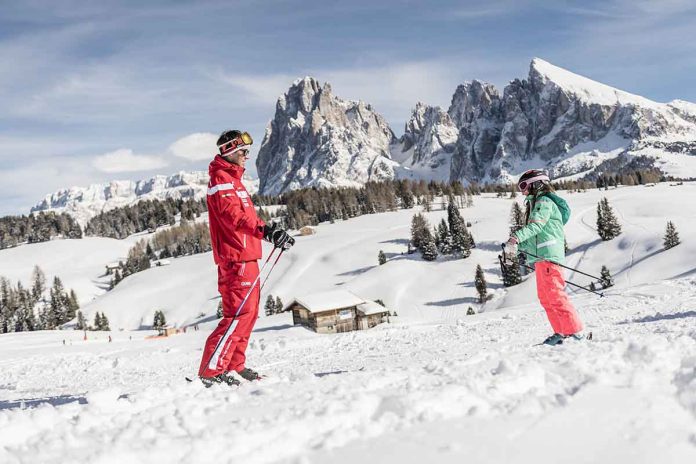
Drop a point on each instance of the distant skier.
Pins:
(236, 233)
(543, 236)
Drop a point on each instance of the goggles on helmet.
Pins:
(243, 142)
(525, 184)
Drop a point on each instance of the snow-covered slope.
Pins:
(83, 203)
(433, 382)
(80, 264)
(467, 390)
(344, 255)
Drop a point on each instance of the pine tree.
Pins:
(511, 272)
(428, 248)
(72, 305)
(105, 323)
(516, 218)
(608, 226)
(81, 322)
(443, 238)
(278, 305)
(381, 258)
(38, 284)
(470, 311)
(671, 236)
(97, 321)
(57, 304)
(149, 253)
(269, 307)
(117, 277)
(158, 321)
(480, 282)
(462, 241)
(606, 279)
(419, 226)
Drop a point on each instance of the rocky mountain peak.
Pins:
(426, 148)
(319, 139)
(471, 100)
(561, 121)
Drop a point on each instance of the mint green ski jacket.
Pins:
(543, 234)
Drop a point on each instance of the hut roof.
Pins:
(326, 301)
(370, 307)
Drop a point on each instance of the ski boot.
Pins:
(553, 340)
(249, 374)
(220, 378)
(580, 336)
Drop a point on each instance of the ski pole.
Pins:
(559, 264)
(282, 250)
(601, 295)
(502, 260)
(239, 309)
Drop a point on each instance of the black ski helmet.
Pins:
(533, 179)
(228, 136)
(232, 141)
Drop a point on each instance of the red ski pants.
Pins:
(224, 350)
(550, 288)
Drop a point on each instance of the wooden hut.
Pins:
(336, 311)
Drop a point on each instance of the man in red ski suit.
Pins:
(235, 234)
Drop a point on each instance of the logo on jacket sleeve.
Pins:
(244, 196)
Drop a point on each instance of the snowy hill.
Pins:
(434, 382)
(83, 203)
(344, 255)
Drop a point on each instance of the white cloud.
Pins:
(195, 147)
(124, 160)
(259, 89)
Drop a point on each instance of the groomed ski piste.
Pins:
(433, 383)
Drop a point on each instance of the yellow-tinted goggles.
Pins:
(246, 138)
(230, 147)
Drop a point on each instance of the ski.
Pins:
(587, 338)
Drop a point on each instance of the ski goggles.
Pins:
(243, 142)
(525, 184)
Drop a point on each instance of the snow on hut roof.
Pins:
(326, 301)
(370, 307)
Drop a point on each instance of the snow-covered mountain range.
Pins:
(83, 203)
(554, 119)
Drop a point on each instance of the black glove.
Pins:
(522, 258)
(277, 236)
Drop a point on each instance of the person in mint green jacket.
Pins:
(542, 236)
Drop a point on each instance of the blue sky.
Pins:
(94, 91)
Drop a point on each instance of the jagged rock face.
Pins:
(317, 139)
(565, 122)
(83, 203)
(476, 110)
(428, 143)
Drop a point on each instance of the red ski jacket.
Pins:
(235, 230)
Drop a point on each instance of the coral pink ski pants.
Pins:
(550, 288)
(222, 352)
